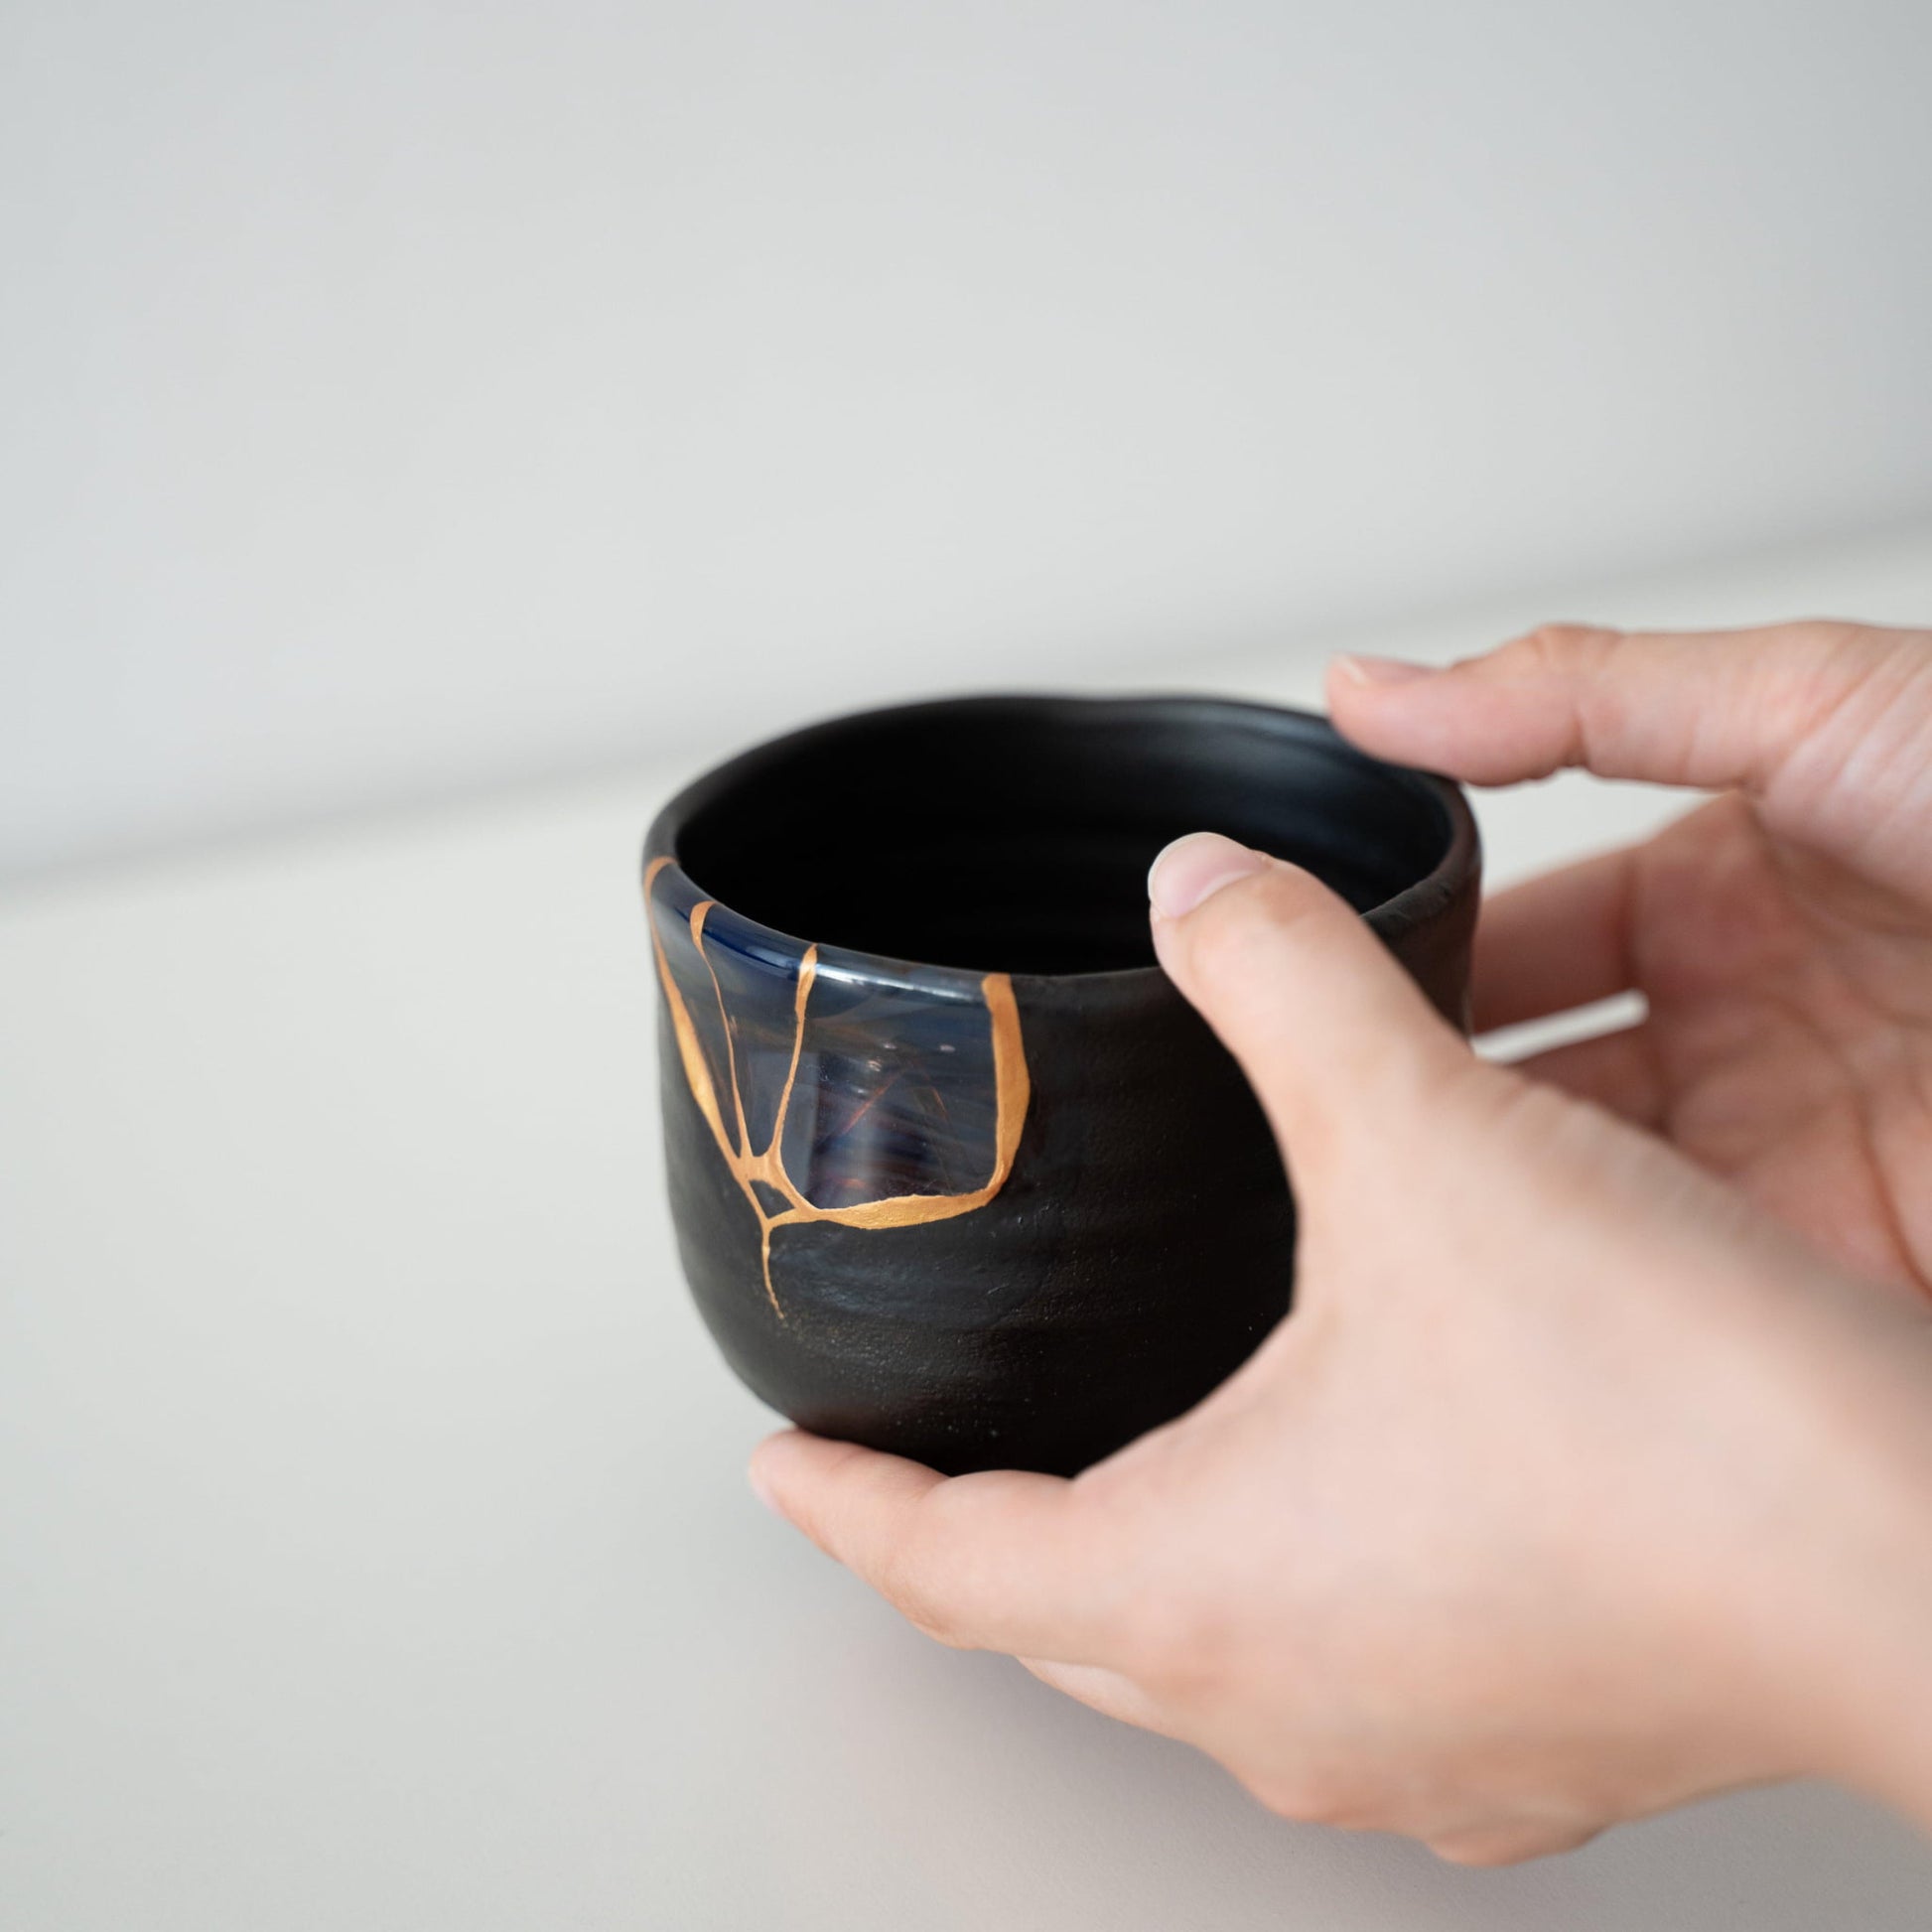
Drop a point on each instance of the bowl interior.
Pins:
(1014, 835)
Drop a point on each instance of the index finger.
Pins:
(1717, 710)
(1001, 1561)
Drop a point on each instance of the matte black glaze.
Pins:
(1012, 1206)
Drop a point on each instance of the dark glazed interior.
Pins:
(1014, 835)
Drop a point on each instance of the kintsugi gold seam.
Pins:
(1012, 1087)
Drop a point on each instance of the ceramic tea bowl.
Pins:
(955, 1171)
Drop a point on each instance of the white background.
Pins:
(506, 408)
(400, 395)
(374, 1547)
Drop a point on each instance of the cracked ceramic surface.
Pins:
(835, 1093)
(955, 1171)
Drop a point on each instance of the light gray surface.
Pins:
(375, 1547)
(398, 394)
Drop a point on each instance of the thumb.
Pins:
(1333, 1036)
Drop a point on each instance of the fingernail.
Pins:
(1190, 869)
(1382, 670)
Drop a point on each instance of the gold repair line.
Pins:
(770, 1166)
(1011, 1084)
(807, 973)
(697, 1074)
(698, 1078)
(698, 912)
(1013, 1092)
(689, 1051)
(771, 1160)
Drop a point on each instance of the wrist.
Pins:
(1856, 1588)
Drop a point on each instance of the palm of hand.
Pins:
(1788, 1046)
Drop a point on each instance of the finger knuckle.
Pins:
(1504, 1844)
(1829, 636)
(1555, 648)
(1322, 1791)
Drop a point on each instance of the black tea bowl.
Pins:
(955, 1171)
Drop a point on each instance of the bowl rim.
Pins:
(1419, 903)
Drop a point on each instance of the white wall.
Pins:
(400, 394)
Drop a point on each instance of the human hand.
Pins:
(1571, 1489)
(1781, 935)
